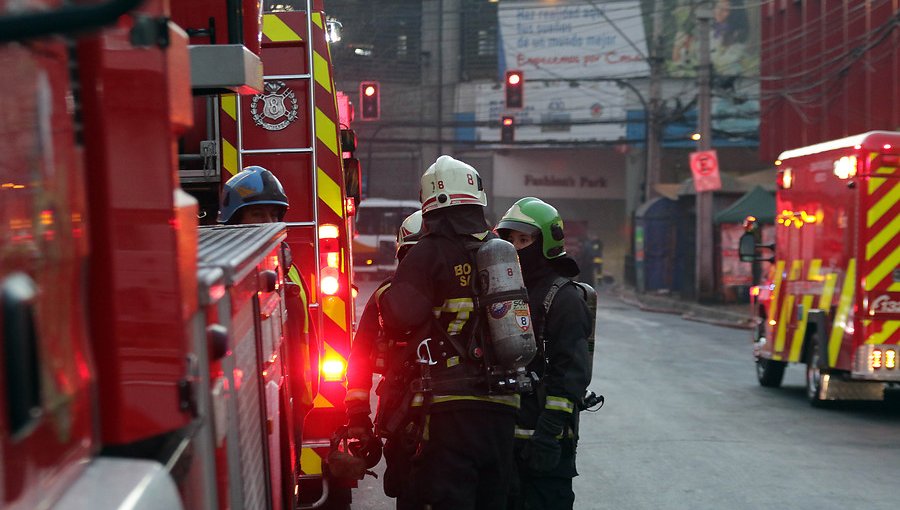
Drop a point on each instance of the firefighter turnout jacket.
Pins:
(562, 362)
(367, 355)
(432, 296)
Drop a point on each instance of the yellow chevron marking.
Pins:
(317, 19)
(277, 30)
(887, 330)
(876, 182)
(779, 270)
(229, 157)
(332, 353)
(229, 105)
(330, 192)
(310, 461)
(843, 312)
(895, 287)
(796, 266)
(878, 241)
(326, 132)
(787, 308)
(800, 332)
(334, 308)
(887, 265)
(783, 319)
(813, 273)
(321, 71)
(882, 206)
(321, 402)
(827, 291)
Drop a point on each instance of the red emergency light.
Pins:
(333, 369)
(329, 259)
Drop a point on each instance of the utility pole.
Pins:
(440, 78)
(652, 123)
(704, 274)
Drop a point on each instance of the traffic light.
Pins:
(370, 100)
(507, 129)
(515, 97)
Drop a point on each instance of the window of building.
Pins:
(479, 40)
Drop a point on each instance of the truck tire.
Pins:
(814, 375)
(769, 372)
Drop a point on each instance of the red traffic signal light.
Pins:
(370, 100)
(507, 129)
(514, 84)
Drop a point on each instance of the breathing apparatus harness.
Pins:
(591, 401)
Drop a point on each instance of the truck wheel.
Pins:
(769, 372)
(814, 376)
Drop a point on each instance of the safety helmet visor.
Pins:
(540, 217)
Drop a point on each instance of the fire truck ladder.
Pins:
(309, 80)
(312, 198)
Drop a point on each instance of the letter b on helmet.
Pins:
(450, 182)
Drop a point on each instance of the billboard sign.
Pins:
(573, 40)
(554, 112)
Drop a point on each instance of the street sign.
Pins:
(705, 167)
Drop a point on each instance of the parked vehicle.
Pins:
(375, 239)
(832, 301)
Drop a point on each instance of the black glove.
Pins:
(543, 450)
(359, 426)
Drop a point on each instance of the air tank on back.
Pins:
(503, 295)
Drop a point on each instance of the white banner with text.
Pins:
(574, 39)
(559, 174)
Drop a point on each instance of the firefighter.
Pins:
(464, 456)
(253, 195)
(376, 351)
(547, 425)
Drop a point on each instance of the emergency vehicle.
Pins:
(292, 128)
(148, 361)
(832, 300)
(375, 237)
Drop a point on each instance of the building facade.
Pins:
(580, 138)
(832, 69)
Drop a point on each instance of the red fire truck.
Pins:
(292, 128)
(148, 361)
(832, 300)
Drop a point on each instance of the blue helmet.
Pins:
(252, 185)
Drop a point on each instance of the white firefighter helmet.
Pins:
(406, 235)
(450, 182)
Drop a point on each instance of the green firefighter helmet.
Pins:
(532, 215)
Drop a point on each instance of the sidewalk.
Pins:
(729, 315)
